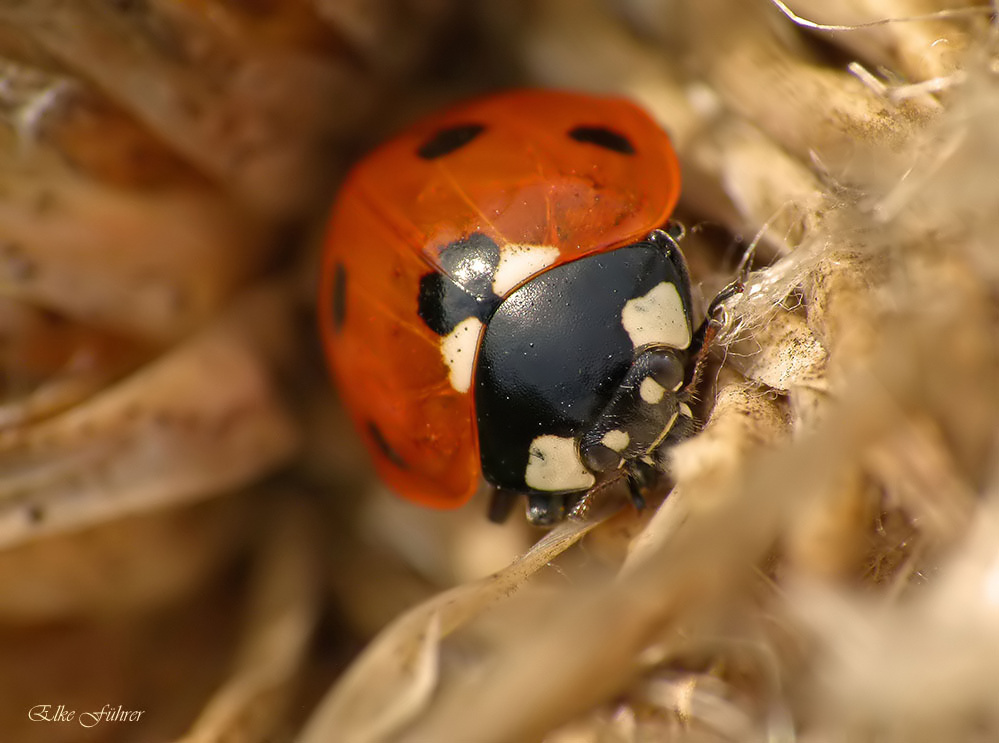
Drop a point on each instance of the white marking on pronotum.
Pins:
(651, 391)
(658, 318)
(553, 464)
(685, 410)
(517, 262)
(458, 352)
(616, 440)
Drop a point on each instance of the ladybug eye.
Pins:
(448, 140)
(603, 137)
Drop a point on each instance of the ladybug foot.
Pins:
(635, 491)
(545, 510)
(501, 503)
(643, 477)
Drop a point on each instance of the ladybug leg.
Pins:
(501, 503)
(635, 491)
(642, 412)
(714, 319)
(716, 312)
(643, 476)
(545, 509)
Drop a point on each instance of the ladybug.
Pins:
(503, 297)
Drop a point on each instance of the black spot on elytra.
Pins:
(464, 289)
(448, 140)
(339, 300)
(442, 305)
(471, 263)
(601, 136)
(384, 447)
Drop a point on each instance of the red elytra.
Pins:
(528, 167)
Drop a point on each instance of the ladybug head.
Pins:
(580, 371)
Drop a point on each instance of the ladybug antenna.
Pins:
(580, 510)
(716, 317)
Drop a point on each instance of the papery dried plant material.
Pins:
(919, 474)
(922, 41)
(771, 189)
(921, 350)
(51, 117)
(246, 113)
(918, 669)
(283, 607)
(701, 707)
(48, 363)
(445, 547)
(202, 419)
(916, 314)
(616, 61)
(592, 645)
(940, 237)
(727, 682)
(393, 555)
(27, 95)
(831, 537)
(841, 306)
(151, 265)
(787, 354)
(603, 726)
(392, 681)
(810, 110)
(97, 140)
(162, 663)
(610, 545)
(897, 548)
(942, 187)
(387, 34)
(134, 564)
(154, 260)
(371, 585)
(744, 418)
